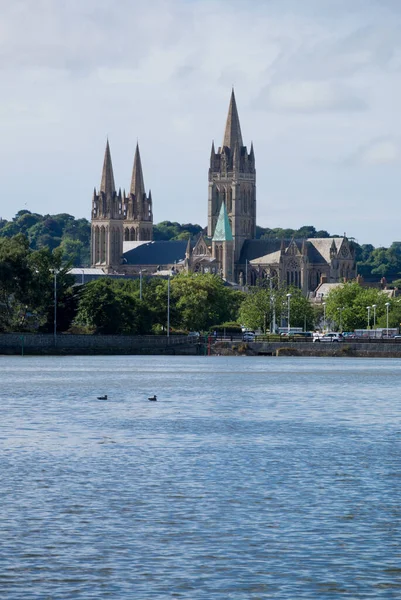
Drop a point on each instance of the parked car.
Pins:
(303, 334)
(248, 336)
(332, 336)
(193, 334)
(349, 335)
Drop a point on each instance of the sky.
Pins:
(317, 85)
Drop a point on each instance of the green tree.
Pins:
(200, 301)
(256, 310)
(108, 308)
(15, 281)
(351, 301)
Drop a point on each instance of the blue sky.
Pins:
(317, 84)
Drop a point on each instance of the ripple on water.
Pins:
(248, 479)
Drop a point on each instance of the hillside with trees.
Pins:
(71, 237)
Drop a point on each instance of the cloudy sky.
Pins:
(318, 89)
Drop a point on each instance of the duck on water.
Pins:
(102, 397)
(153, 398)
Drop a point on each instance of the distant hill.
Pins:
(73, 236)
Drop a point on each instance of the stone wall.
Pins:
(15, 343)
(283, 348)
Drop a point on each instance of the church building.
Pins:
(122, 228)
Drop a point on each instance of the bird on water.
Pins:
(153, 398)
(102, 397)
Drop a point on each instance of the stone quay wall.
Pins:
(32, 343)
(356, 349)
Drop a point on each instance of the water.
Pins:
(250, 478)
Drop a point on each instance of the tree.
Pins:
(201, 300)
(351, 301)
(108, 308)
(256, 311)
(15, 279)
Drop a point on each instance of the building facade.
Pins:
(122, 228)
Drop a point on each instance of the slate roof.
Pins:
(256, 248)
(273, 257)
(318, 249)
(156, 253)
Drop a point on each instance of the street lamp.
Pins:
(168, 303)
(140, 282)
(374, 306)
(324, 316)
(288, 313)
(55, 272)
(387, 305)
(168, 308)
(368, 307)
(340, 310)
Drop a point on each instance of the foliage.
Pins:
(352, 300)
(166, 230)
(258, 308)
(307, 231)
(380, 262)
(73, 236)
(27, 287)
(108, 307)
(201, 300)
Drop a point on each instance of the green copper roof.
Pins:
(223, 233)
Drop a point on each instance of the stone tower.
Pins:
(107, 220)
(138, 216)
(223, 245)
(232, 180)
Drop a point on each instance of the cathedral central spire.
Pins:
(232, 134)
(137, 183)
(107, 185)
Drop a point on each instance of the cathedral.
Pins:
(122, 229)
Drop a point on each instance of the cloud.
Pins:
(74, 71)
(384, 151)
(310, 97)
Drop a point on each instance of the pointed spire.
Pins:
(213, 151)
(232, 133)
(137, 184)
(107, 184)
(222, 232)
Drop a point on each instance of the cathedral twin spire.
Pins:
(137, 183)
(135, 209)
(107, 185)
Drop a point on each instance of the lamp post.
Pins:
(324, 316)
(55, 272)
(168, 308)
(374, 306)
(140, 282)
(340, 310)
(288, 312)
(368, 307)
(387, 305)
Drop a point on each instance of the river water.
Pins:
(249, 478)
